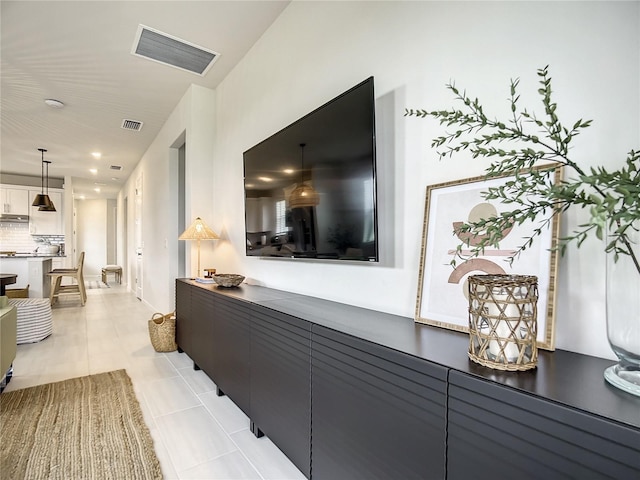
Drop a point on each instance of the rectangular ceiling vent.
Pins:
(164, 48)
(116, 167)
(131, 125)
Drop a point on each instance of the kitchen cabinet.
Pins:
(30, 270)
(47, 223)
(14, 201)
(39, 281)
(57, 263)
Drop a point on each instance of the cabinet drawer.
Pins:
(184, 326)
(202, 339)
(280, 386)
(232, 350)
(495, 432)
(376, 413)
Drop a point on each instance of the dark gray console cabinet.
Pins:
(377, 413)
(184, 326)
(348, 393)
(280, 387)
(231, 349)
(496, 432)
(201, 342)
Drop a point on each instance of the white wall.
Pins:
(111, 232)
(316, 50)
(194, 115)
(91, 236)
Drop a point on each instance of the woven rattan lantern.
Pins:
(503, 321)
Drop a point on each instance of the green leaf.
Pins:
(612, 197)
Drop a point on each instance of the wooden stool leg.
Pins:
(52, 290)
(55, 287)
(81, 287)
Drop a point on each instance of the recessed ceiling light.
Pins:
(96, 154)
(115, 179)
(93, 170)
(288, 171)
(53, 103)
(96, 190)
(265, 179)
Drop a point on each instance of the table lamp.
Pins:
(198, 231)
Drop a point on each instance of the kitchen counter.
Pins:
(31, 270)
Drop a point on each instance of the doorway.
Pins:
(178, 194)
(138, 234)
(125, 236)
(182, 248)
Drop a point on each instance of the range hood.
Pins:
(13, 218)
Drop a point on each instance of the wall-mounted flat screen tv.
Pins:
(310, 189)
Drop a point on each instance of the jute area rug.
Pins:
(83, 428)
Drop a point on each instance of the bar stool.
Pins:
(58, 289)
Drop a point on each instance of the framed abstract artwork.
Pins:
(442, 298)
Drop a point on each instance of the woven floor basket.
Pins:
(162, 331)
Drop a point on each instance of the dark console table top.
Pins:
(571, 379)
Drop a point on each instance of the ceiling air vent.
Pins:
(131, 125)
(116, 167)
(164, 48)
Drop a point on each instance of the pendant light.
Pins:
(41, 199)
(50, 207)
(303, 195)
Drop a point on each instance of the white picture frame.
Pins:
(443, 289)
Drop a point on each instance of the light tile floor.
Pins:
(197, 435)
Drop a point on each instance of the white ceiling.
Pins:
(78, 52)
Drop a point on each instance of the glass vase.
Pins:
(623, 316)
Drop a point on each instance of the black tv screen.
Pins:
(310, 189)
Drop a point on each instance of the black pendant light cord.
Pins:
(43, 201)
(47, 162)
(302, 145)
(42, 150)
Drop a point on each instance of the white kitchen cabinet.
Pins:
(14, 200)
(39, 281)
(47, 223)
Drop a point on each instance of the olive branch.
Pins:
(515, 148)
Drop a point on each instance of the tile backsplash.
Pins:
(16, 237)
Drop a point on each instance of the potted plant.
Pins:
(513, 147)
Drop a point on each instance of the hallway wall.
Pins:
(316, 50)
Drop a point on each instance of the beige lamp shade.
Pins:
(198, 230)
